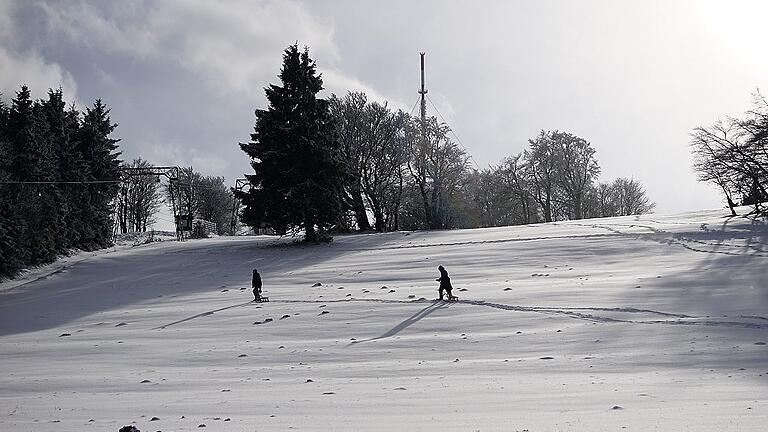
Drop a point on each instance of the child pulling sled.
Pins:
(445, 285)
(256, 285)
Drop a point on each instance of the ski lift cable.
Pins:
(63, 182)
(454, 133)
(414, 106)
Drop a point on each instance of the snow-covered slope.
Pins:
(635, 323)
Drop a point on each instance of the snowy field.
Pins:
(651, 323)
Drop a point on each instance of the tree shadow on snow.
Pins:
(418, 316)
(720, 292)
(113, 281)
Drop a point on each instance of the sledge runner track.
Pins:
(570, 312)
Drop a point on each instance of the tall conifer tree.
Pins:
(34, 159)
(99, 151)
(10, 218)
(298, 175)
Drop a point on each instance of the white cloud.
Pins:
(32, 70)
(338, 83)
(6, 19)
(202, 160)
(27, 68)
(235, 46)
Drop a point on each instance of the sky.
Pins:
(183, 77)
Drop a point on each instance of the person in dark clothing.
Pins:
(256, 285)
(445, 283)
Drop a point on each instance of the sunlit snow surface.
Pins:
(633, 323)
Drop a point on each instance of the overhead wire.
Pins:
(414, 106)
(454, 134)
(63, 182)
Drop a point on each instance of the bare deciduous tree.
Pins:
(542, 166)
(215, 202)
(349, 117)
(630, 198)
(577, 169)
(383, 158)
(138, 200)
(437, 169)
(517, 181)
(372, 137)
(733, 154)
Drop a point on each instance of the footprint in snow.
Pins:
(759, 343)
(507, 289)
(463, 289)
(268, 320)
(242, 355)
(400, 388)
(146, 381)
(546, 358)
(411, 296)
(391, 291)
(317, 284)
(120, 324)
(154, 419)
(324, 312)
(285, 316)
(617, 407)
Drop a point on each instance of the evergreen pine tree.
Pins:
(70, 199)
(10, 219)
(33, 160)
(298, 173)
(99, 152)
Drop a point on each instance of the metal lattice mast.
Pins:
(423, 93)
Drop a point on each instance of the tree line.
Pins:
(194, 195)
(61, 186)
(733, 155)
(59, 172)
(347, 163)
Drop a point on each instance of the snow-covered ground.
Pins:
(634, 323)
